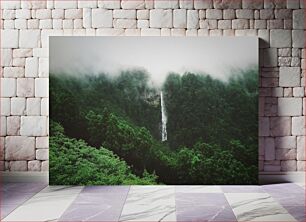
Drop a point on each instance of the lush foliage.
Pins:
(212, 129)
(73, 162)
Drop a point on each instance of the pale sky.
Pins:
(158, 55)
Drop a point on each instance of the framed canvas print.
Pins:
(153, 110)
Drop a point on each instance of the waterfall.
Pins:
(164, 118)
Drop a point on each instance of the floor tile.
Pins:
(289, 199)
(98, 203)
(203, 207)
(197, 189)
(242, 189)
(283, 188)
(47, 205)
(149, 203)
(298, 212)
(257, 207)
(22, 187)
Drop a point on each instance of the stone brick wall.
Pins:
(26, 25)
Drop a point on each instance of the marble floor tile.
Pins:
(100, 203)
(22, 187)
(149, 203)
(47, 205)
(283, 188)
(289, 199)
(257, 207)
(106, 189)
(6, 210)
(298, 212)
(197, 189)
(242, 189)
(203, 207)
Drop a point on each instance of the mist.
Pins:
(216, 56)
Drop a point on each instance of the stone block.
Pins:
(13, 72)
(224, 24)
(124, 14)
(179, 18)
(192, 19)
(298, 19)
(73, 13)
(34, 165)
(31, 67)
(43, 13)
(19, 148)
(143, 14)
(87, 4)
(33, 106)
(285, 142)
(293, 4)
(13, 125)
(132, 4)
(42, 142)
(160, 18)
(203, 4)
(45, 107)
(29, 38)
(45, 165)
(109, 4)
(150, 32)
(10, 5)
(240, 24)
(33, 126)
(8, 87)
(227, 4)
(186, 4)
(289, 106)
(252, 4)
(102, 18)
(245, 14)
(6, 57)
(280, 38)
(214, 14)
(125, 23)
(18, 166)
(142, 23)
(301, 166)
(18, 106)
(269, 149)
(66, 4)
(288, 165)
(8, 14)
(5, 106)
(42, 154)
(25, 87)
(280, 126)
(264, 126)
(41, 87)
(301, 148)
(298, 92)
(58, 13)
(289, 76)
(9, 38)
(298, 126)
(3, 130)
(166, 4)
(43, 67)
(22, 53)
(285, 154)
(298, 38)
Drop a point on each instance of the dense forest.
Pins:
(107, 129)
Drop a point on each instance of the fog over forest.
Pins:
(158, 56)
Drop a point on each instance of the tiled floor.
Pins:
(39, 202)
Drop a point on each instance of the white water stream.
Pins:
(164, 117)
